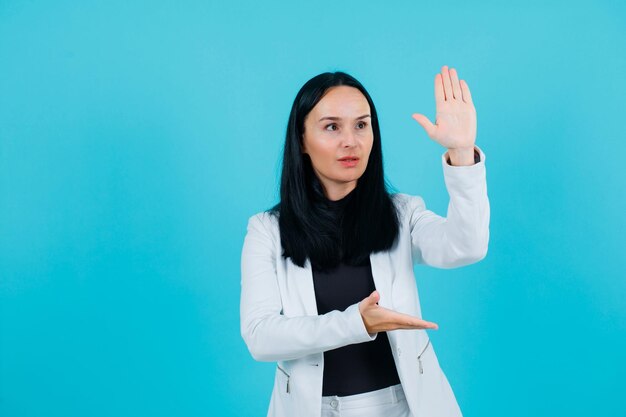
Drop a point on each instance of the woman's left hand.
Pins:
(455, 126)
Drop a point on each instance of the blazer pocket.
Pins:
(420, 356)
(284, 379)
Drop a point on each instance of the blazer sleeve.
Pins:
(461, 238)
(270, 335)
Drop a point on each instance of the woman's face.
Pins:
(339, 126)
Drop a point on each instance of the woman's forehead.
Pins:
(342, 102)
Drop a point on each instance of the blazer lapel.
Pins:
(382, 273)
(303, 282)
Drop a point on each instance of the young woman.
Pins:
(328, 288)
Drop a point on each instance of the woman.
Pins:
(328, 288)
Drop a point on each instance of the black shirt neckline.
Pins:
(337, 205)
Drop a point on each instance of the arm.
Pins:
(271, 336)
(462, 237)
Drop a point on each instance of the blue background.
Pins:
(136, 138)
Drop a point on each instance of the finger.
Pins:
(440, 96)
(425, 123)
(467, 96)
(413, 322)
(431, 325)
(456, 87)
(447, 85)
(423, 324)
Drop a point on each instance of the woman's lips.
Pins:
(349, 162)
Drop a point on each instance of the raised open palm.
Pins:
(455, 123)
(381, 319)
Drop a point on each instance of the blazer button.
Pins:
(399, 351)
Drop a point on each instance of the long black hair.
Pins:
(369, 221)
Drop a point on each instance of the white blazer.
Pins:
(279, 319)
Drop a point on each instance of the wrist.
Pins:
(461, 156)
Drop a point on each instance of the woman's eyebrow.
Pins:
(339, 118)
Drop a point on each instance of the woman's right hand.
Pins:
(380, 319)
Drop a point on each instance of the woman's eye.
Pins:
(331, 125)
(363, 124)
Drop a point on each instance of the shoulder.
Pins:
(264, 221)
(407, 204)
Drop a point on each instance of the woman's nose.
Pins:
(348, 140)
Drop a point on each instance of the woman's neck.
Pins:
(340, 192)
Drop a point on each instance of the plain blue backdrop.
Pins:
(137, 138)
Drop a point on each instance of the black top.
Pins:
(361, 367)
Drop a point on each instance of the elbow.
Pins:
(480, 255)
(475, 251)
(253, 347)
(259, 355)
(483, 248)
(475, 254)
(465, 256)
(258, 350)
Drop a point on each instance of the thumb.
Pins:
(370, 300)
(373, 297)
(425, 123)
